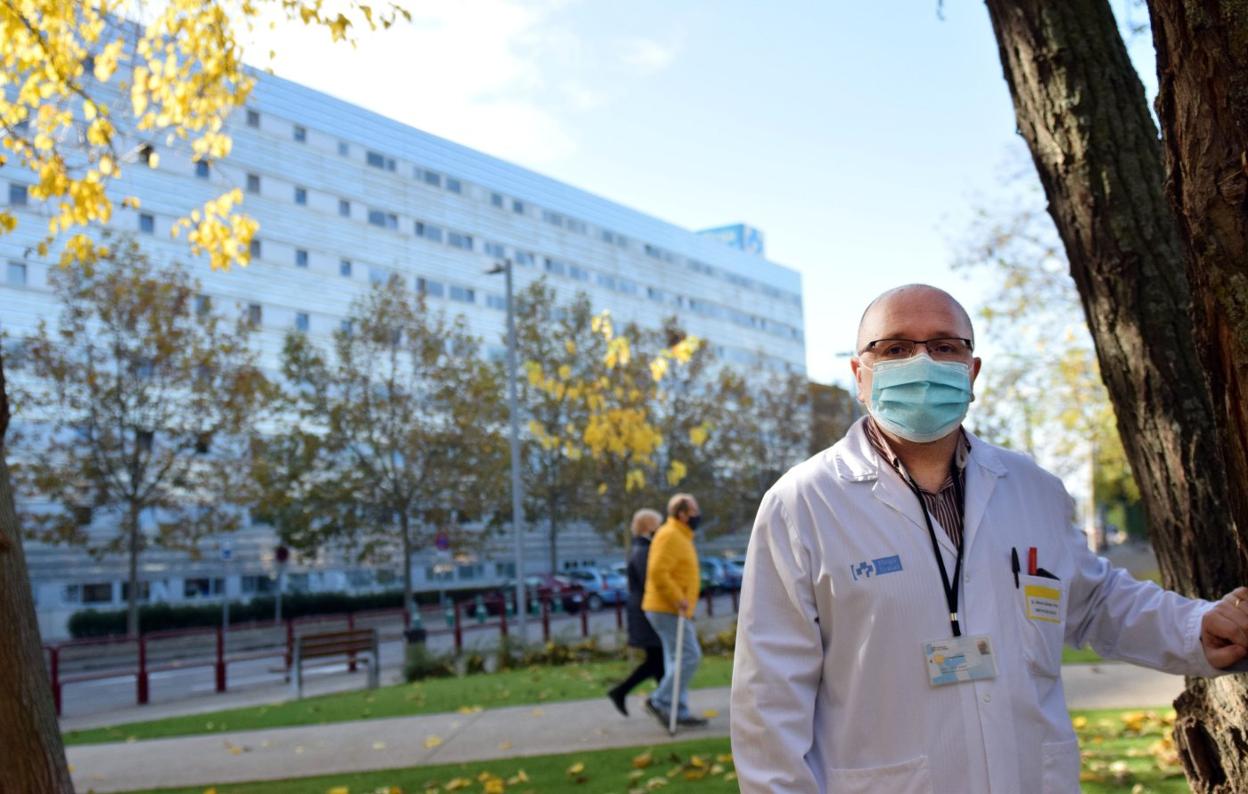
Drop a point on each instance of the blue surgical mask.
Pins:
(919, 399)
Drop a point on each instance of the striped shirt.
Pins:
(943, 505)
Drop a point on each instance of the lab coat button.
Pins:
(987, 697)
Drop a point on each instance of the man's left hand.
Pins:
(1224, 630)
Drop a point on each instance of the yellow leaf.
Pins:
(642, 761)
(710, 714)
(576, 769)
(469, 709)
(339, 790)
(432, 742)
(519, 777)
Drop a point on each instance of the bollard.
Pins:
(141, 678)
(619, 614)
(479, 608)
(351, 627)
(584, 619)
(735, 595)
(545, 620)
(710, 604)
(290, 644)
(448, 612)
(535, 608)
(220, 659)
(459, 631)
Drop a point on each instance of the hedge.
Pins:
(163, 617)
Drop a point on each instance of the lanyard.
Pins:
(951, 591)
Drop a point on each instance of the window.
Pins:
(454, 186)
(302, 322)
(301, 196)
(653, 251)
(517, 206)
(428, 287)
(344, 208)
(473, 571)
(98, 593)
(376, 276)
(344, 149)
(147, 223)
(386, 220)
(15, 274)
(505, 570)
(614, 237)
(525, 258)
(439, 573)
(458, 240)
(463, 294)
(344, 268)
(203, 587)
(202, 169)
(496, 200)
(496, 302)
(573, 225)
(301, 257)
(253, 118)
(433, 178)
(553, 218)
(495, 250)
(73, 594)
(254, 248)
(145, 591)
(554, 266)
(253, 183)
(301, 134)
(254, 314)
(429, 231)
(606, 281)
(578, 273)
(626, 286)
(379, 160)
(203, 305)
(17, 195)
(255, 584)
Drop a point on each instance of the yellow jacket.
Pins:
(672, 571)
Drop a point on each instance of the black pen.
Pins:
(1014, 565)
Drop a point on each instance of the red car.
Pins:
(549, 586)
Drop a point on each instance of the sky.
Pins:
(859, 137)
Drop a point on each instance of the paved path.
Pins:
(513, 732)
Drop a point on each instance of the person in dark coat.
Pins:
(640, 633)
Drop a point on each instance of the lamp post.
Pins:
(517, 518)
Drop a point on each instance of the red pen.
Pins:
(1031, 561)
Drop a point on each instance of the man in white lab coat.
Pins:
(908, 591)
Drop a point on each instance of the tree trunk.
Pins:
(405, 527)
(1202, 66)
(132, 601)
(30, 738)
(1081, 108)
(551, 508)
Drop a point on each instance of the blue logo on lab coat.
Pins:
(876, 567)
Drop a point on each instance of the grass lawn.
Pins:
(543, 684)
(599, 771)
(1124, 751)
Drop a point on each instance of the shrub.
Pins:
(421, 664)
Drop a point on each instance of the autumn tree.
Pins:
(1156, 246)
(138, 400)
(407, 419)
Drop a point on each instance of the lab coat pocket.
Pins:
(1061, 767)
(1042, 611)
(908, 777)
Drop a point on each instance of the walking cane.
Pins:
(680, 647)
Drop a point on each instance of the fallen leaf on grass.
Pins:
(518, 778)
(642, 761)
(576, 768)
(339, 790)
(458, 783)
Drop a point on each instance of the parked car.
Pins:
(719, 576)
(602, 586)
(571, 594)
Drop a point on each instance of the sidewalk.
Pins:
(512, 732)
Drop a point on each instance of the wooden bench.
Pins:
(336, 643)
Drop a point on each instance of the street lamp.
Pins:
(504, 267)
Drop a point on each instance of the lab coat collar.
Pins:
(857, 461)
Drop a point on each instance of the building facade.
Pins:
(346, 198)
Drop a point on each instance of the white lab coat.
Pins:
(830, 691)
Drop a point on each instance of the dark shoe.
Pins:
(656, 713)
(617, 697)
(691, 722)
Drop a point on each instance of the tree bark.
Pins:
(1202, 66)
(132, 602)
(405, 527)
(1081, 108)
(552, 507)
(30, 738)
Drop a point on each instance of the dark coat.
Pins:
(640, 632)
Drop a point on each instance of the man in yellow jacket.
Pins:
(672, 583)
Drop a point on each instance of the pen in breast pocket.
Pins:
(1014, 565)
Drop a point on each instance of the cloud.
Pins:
(647, 55)
(471, 72)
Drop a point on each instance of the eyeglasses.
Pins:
(949, 348)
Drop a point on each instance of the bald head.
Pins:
(901, 310)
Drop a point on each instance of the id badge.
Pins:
(959, 659)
